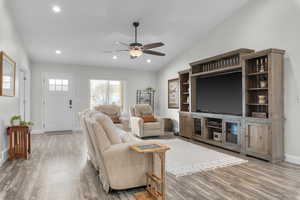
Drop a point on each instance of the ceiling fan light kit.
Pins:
(136, 52)
(137, 49)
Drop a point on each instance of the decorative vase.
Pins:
(261, 99)
(263, 84)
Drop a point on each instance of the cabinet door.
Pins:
(186, 126)
(232, 132)
(258, 138)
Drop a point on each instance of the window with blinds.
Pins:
(106, 92)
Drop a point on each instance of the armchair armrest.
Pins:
(162, 123)
(137, 126)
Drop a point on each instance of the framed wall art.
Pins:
(173, 93)
(7, 75)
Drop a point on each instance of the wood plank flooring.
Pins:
(58, 170)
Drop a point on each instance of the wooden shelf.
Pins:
(154, 177)
(257, 73)
(257, 89)
(230, 68)
(257, 104)
(214, 141)
(216, 127)
(184, 81)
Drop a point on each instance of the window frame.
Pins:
(107, 100)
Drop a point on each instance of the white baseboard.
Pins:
(292, 159)
(77, 130)
(4, 156)
(37, 132)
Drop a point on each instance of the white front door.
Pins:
(58, 102)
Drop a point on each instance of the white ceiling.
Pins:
(86, 28)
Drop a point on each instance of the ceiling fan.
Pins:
(137, 49)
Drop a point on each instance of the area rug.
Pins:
(186, 158)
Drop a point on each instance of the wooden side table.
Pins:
(19, 142)
(156, 184)
(168, 124)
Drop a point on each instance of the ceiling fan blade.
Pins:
(153, 45)
(123, 43)
(154, 52)
(115, 51)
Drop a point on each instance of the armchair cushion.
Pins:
(152, 125)
(142, 110)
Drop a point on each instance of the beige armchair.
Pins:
(108, 149)
(141, 129)
(114, 112)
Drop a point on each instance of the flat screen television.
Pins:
(220, 94)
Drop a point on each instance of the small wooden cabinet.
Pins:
(258, 139)
(186, 124)
(19, 142)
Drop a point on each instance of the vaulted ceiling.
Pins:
(83, 30)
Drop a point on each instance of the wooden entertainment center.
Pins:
(259, 130)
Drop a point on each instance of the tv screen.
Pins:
(220, 94)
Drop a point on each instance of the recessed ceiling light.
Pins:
(115, 57)
(56, 9)
(58, 52)
(148, 61)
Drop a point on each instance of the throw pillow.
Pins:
(149, 119)
(115, 119)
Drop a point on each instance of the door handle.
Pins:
(70, 103)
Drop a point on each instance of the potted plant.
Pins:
(15, 120)
(29, 124)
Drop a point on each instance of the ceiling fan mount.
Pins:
(136, 24)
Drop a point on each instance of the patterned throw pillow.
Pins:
(115, 119)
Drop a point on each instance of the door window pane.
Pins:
(58, 85)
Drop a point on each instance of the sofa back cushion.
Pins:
(98, 135)
(108, 127)
(142, 110)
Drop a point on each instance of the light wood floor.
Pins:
(58, 170)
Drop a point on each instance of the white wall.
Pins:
(11, 44)
(82, 74)
(259, 25)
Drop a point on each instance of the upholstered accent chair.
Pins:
(145, 129)
(114, 112)
(108, 149)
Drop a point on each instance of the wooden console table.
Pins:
(156, 185)
(19, 142)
